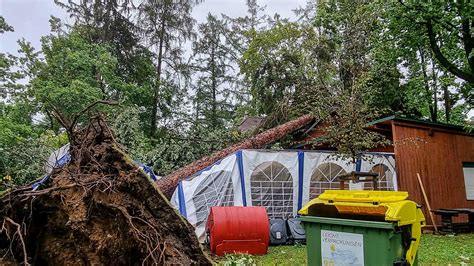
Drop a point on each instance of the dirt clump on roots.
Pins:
(100, 209)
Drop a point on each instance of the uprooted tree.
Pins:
(98, 209)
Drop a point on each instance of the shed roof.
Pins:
(250, 123)
(419, 122)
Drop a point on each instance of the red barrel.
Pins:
(238, 230)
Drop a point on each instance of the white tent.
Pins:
(281, 181)
(57, 158)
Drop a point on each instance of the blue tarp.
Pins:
(67, 157)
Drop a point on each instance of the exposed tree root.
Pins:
(100, 209)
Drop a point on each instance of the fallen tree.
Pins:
(99, 209)
(168, 183)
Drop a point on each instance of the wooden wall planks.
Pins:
(438, 156)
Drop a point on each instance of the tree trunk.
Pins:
(51, 120)
(452, 68)
(168, 183)
(447, 104)
(213, 87)
(468, 41)
(426, 84)
(434, 115)
(196, 119)
(156, 93)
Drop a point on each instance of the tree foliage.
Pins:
(166, 25)
(75, 74)
(215, 83)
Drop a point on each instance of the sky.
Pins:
(30, 18)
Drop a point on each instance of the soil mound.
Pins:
(100, 209)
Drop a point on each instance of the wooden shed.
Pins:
(443, 155)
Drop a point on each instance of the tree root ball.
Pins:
(100, 209)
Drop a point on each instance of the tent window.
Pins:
(272, 187)
(385, 178)
(215, 190)
(323, 178)
(468, 171)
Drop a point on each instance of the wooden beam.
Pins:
(427, 202)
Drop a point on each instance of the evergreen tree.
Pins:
(166, 25)
(215, 87)
(243, 29)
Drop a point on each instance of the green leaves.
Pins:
(24, 148)
(75, 74)
(424, 87)
(347, 63)
(277, 63)
(4, 27)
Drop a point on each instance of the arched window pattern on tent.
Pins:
(215, 190)
(324, 177)
(385, 178)
(272, 187)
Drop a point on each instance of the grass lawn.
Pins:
(434, 250)
(437, 249)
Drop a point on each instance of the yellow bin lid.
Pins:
(363, 196)
(389, 206)
(392, 205)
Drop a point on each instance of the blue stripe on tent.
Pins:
(182, 202)
(300, 178)
(358, 164)
(240, 163)
(147, 169)
(63, 160)
(389, 162)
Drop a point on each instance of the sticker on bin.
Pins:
(339, 248)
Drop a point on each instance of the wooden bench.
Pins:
(447, 215)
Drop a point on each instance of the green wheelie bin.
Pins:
(362, 228)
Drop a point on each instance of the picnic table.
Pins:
(447, 220)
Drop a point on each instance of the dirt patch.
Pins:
(99, 209)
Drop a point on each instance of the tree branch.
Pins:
(78, 115)
(466, 37)
(469, 77)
